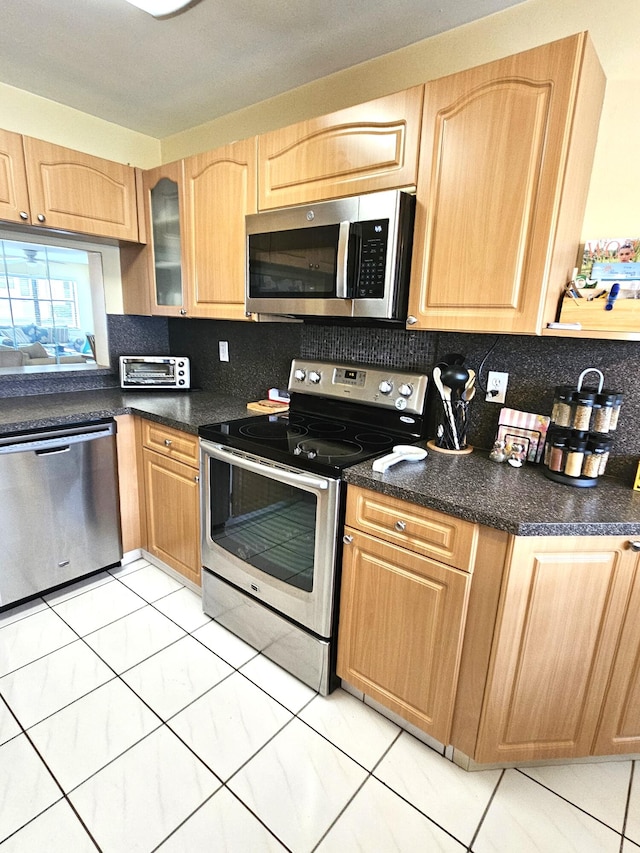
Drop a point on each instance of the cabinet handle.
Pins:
(24, 214)
(347, 539)
(401, 526)
(196, 479)
(167, 442)
(411, 320)
(634, 544)
(183, 311)
(41, 217)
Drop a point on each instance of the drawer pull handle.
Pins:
(347, 539)
(634, 544)
(167, 442)
(401, 526)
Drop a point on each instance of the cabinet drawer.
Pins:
(171, 442)
(424, 531)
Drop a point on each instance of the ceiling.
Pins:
(162, 76)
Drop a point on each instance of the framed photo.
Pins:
(610, 259)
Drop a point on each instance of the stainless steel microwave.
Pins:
(345, 258)
(155, 371)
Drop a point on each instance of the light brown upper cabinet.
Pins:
(53, 187)
(163, 193)
(194, 263)
(220, 190)
(14, 196)
(505, 162)
(361, 149)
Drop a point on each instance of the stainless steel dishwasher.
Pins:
(59, 507)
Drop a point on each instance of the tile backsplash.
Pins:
(387, 347)
(261, 353)
(260, 356)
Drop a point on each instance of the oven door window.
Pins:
(265, 523)
(301, 263)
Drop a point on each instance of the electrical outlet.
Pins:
(223, 350)
(496, 387)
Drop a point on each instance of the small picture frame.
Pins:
(610, 259)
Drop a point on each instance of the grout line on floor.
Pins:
(59, 786)
(570, 802)
(486, 809)
(627, 805)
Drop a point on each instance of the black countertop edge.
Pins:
(519, 501)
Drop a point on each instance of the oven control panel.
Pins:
(372, 385)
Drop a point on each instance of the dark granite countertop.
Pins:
(521, 501)
(518, 500)
(185, 410)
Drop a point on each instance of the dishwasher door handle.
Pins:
(51, 450)
(49, 442)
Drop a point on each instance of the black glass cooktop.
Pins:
(303, 440)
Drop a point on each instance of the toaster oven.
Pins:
(155, 371)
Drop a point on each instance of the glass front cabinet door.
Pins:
(165, 204)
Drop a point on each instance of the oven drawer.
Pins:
(172, 443)
(423, 531)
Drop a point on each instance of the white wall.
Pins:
(32, 115)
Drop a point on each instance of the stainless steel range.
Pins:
(272, 506)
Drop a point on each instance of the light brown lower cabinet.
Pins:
(619, 728)
(401, 626)
(172, 507)
(131, 497)
(512, 649)
(403, 606)
(562, 679)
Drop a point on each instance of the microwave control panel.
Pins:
(373, 241)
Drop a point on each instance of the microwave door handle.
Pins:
(342, 260)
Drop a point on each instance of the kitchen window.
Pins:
(52, 303)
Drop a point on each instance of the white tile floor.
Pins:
(131, 722)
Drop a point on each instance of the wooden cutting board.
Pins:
(268, 407)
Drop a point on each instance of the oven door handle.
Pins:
(291, 478)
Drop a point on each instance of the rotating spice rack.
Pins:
(579, 439)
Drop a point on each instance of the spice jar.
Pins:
(604, 456)
(596, 447)
(561, 411)
(557, 451)
(615, 413)
(576, 447)
(602, 412)
(581, 409)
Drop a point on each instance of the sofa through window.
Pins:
(46, 315)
